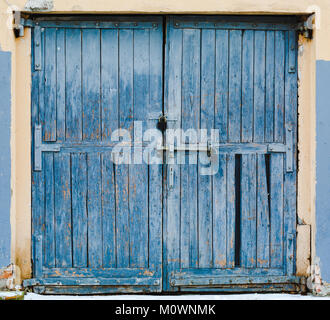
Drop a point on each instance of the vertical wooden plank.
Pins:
(276, 210)
(220, 214)
(235, 86)
(108, 211)
(231, 213)
(125, 122)
(220, 221)
(138, 172)
(185, 217)
(39, 257)
(205, 226)
(279, 86)
(91, 113)
(290, 193)
(60, 84)
(172, 107)
(38, 196)
(79, 210)
(247, 85)
(248, 212)
(73, 85)
(270, 86)
(49, 129)
(109, 81)
(63, 221)
(126, 113)
(190, 119)
(38, 201)
(263, 222)
(221, 84)
(155, 171)
(122, 216)
(41, 82)
(109, 100)
(95, 235)
(49, 238)
(259, 87)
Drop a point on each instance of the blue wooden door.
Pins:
(95, 223)
(219, 212)
(230, 209)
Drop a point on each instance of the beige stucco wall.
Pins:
(309, 52)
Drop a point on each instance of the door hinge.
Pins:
(289, 148)
(40, 147)
(306, 28)
(38, 256)
(18, 25)
(37, 48)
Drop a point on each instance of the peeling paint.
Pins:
(39, 5)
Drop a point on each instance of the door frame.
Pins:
(163, 75)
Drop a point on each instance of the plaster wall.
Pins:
(309, 52)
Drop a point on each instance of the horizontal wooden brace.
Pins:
(234, 22)
(246, 288)
(88, 290)
(240, 26)
(92, 282)
(93, 24)
(226, 272)
(240, 148)
(100, 272)
(220, 148)
(177, 281)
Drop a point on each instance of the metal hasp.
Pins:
(40, 147)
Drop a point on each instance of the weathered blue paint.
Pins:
(255, 214)
(323, 167)
(5, 164)
(98, 223)
(88, 213)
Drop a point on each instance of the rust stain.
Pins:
(221, 262)
(58, 273)
(262, 261)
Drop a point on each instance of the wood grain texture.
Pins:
(139, 225)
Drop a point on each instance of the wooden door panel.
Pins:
(236, 80)
(95, 217)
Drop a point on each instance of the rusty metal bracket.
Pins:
(306, 28)
(18, 25)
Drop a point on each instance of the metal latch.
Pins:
(40, 147)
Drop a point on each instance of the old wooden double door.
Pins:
(102, 226)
